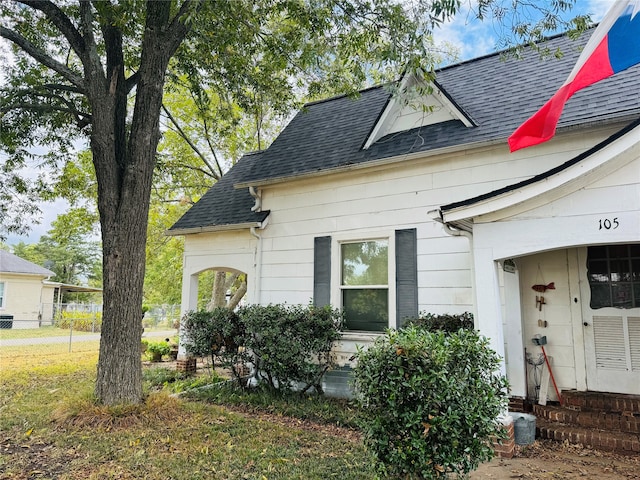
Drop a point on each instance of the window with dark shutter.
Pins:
(322, 271)
(406, 275)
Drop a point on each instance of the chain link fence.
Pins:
(60, 329)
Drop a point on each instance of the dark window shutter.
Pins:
(406, 275)
(322, 271)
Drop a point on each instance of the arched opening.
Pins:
(221, 287)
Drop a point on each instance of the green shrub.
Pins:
(430, 401)
(217, 334)
(81, 321)
(156, 350)
(445, 323)
(291, 344)
(288, 345)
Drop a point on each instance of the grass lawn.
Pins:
(51, 429)
(42, 332)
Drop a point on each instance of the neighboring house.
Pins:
(23, 290)
(386, 211)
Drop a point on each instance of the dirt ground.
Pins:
(546, 459)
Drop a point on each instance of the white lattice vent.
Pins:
(634, 342)
(609, 335)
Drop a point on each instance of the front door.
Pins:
(610, 290)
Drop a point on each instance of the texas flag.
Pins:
(614, 46)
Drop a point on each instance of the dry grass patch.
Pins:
(48, 359)
(82, 413)
(51, 427)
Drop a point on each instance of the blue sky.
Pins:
(472, 38)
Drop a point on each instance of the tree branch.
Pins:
(180, 25)
(42, 57)
(197, 169)
(63, 87)
(207, 137)
(194, 147)
(40, 107)
(132, 81)
(81, 118)
(61, 21)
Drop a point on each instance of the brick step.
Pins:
(619, 442)
(617, 422)
(602, 402)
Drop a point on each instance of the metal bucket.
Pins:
(524, 428)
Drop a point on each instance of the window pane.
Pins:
(365, 263)
(620, 270)
(635, 270)
(618, 251)
(598, 271)
(597, 252)
(600, 296)
(621, 295)
(613, 273)
(366, 309)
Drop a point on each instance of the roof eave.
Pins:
(619, 148)
(214, 228)
(369, 164)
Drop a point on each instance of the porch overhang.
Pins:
(594, 164)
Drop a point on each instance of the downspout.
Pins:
(437, 216)
(257, 252)
(257, 195)
(257, 265)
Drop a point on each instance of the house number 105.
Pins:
(608, 224)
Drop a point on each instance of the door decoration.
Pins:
(541, 287)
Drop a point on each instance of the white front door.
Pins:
(611, 317)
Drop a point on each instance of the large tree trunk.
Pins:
(124, 168)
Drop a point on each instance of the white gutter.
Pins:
(370, 163)
(213, 228)
(415, 155)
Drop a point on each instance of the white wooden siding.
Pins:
(382, 198)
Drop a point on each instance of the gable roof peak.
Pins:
(417, 102)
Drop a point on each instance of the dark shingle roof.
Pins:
(498, 94)
(224, 205)
(10, 263)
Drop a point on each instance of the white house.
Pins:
(385, 210)
(23, 290)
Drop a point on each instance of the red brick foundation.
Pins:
(507, 447)
(186, 365)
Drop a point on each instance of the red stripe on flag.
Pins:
(541, 126)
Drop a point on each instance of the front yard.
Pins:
(49, 429)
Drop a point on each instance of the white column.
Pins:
(513, 332)
(489, 311)
(189, 302)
